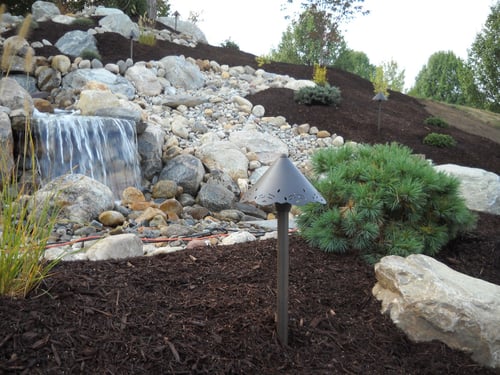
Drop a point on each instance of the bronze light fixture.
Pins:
(283, 185)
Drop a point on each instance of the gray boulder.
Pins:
(81, 198)
(480, 188)
(186, 170)
(116, 247)
(267, 147)
(226, 156)
(44, 10)
(73, 43)
(215, 197)
(144, 80)
(184, 27)
(18, 100)
(117, 84)
(149, 146)
(182, 73)
(430, 301)
(120, 23)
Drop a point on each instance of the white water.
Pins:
(102, 148)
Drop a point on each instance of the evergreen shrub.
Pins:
(436, 121)
(439, 140)
(88, 54)
(382, 200)
(323, 95)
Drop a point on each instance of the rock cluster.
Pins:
(200, 142)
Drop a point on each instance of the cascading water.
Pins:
(102, 148)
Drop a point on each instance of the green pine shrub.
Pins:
(382, 200)
(88, 54)
(436, 121)
(440, 140)
(84, 22)
(228, 43)
(323, 95)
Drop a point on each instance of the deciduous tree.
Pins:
(484, 59)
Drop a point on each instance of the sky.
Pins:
(406, 31)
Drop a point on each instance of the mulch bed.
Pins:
(212, 310)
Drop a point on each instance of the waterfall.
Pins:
(102, 148)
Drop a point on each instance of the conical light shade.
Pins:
(283, 183)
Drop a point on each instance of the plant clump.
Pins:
(440, 140)
(322, 95)
(228, 43)
(436, 121)
(382, 200)
(88, 54)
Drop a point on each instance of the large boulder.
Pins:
(116, 83)
(116, 247)
(44, 10)
(186, 170)
(73, 43)
(480, 188)
(266, 146)
(18, 100)
(182, 73)
(430, 301)
(144, 80)
(184, 27)
(80, 198)
(226, 156)
(120, 23)
(149, 146)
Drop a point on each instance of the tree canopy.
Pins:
(484, 60)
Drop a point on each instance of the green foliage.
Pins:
(439, 140)
(312, 38)
(82, 21)
(436, 121)
(395, 78)
(228, 43)
(147, 38)
(355, 62)
(379, 81)
(382, 200)
(88, 54)
(484, 60)
(319, 75)
(26, 225)
(263, 60)
(444, 79)
(18, 7)
(323, 95)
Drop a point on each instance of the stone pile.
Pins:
(201, 143)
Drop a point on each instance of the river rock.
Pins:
(430, 301)
(119, 246)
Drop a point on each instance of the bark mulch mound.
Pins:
(213, 310)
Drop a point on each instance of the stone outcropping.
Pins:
(430, 301)
(480, 188)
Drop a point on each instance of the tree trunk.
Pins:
(152, 9)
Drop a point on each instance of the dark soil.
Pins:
(212, 310)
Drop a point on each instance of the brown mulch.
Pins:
(212, 310)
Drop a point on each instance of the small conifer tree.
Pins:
(382, 200)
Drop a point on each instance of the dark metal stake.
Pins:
(379, 110)
(282, 270)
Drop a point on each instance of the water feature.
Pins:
(102, 148)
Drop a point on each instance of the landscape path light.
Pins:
(283, 185)
(380, 97)
(176, 16)
(133, 35)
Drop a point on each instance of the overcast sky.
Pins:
(406, 31)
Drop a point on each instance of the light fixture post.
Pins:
(283, 185)
(283, 266)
